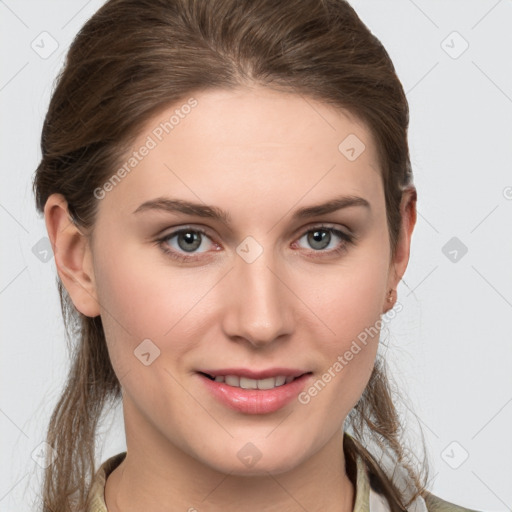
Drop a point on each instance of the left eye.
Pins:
(188, 240)
(321, 238)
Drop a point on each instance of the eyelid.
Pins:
(169, 231)
(323, 225)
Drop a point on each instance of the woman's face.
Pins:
(253, 280)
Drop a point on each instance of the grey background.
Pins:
(450, 348)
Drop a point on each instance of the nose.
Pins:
(259, 306)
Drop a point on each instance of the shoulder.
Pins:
(373, 477)
(96, 495)
(436, 504)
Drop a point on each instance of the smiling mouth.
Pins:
(237, 381)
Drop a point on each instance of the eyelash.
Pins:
(347, 239)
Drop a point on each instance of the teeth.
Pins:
(282, 379)
(246, 383)
(232, 380)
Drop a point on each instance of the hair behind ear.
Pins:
(90, 385)
(375, 418)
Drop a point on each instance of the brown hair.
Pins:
(134, 58)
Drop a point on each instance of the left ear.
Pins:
(398, 263)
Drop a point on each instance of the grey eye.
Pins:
(189, 241)
(319, 238)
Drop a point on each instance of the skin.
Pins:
(259, 154)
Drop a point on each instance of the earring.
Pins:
(390, 295)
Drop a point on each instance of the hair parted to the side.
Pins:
(134, 58)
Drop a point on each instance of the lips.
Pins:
(255, 392)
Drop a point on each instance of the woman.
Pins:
(228, 193)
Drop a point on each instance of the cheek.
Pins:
(350, 303)
(350, 300)
(348, 359)
(143, 299)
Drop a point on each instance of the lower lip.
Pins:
(255, 401)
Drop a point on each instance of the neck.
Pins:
(168, 480)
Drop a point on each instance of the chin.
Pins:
(251, 461)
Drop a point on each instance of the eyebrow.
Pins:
(201, 210)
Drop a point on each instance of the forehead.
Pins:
(226, 145)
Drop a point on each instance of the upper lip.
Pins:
(255, 374)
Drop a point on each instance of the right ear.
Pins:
(73, 256)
